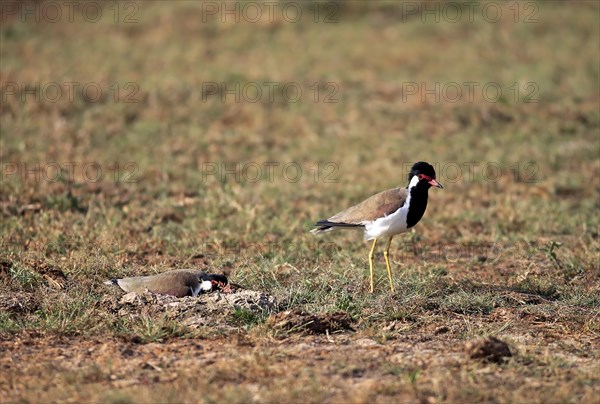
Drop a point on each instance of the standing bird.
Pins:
(387, 213)
(180, 283)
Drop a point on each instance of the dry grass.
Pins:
(516, 257)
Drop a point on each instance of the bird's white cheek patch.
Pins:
(413, 182)
(206, 286)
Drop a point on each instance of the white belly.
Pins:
(388, 226)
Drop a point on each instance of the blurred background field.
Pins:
(155, 115)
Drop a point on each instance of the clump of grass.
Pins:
(24, 278)
(148, 329)
(549, 249)
(538, 287)
(570, 268)
(66, 315)
(578, 297)
(247, 318)
(404, 314)
(66, 202)
(8, 324)
(465, 302)
(345, 302)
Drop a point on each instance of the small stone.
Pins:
(129, 298)
(391, 326)
(365, 342)
(119, 384)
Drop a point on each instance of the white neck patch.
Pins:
(206, 286)
(413, 181)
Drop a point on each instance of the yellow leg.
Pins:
(371, 262)
(386, 254)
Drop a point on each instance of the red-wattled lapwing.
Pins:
(180, 283)
(387, 213)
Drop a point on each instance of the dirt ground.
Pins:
(304, 357)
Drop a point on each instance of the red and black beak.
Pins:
(220, 282)
(436, 184)
(225, 288)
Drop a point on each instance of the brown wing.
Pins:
(379, 205)
(176, 283)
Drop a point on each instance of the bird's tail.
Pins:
(323, 226)
(320, 230)
(112, 282)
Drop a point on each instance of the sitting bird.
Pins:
(179, 282)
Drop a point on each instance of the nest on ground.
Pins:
(204, 310)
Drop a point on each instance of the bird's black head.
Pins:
(217, 281)
(426, 174)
